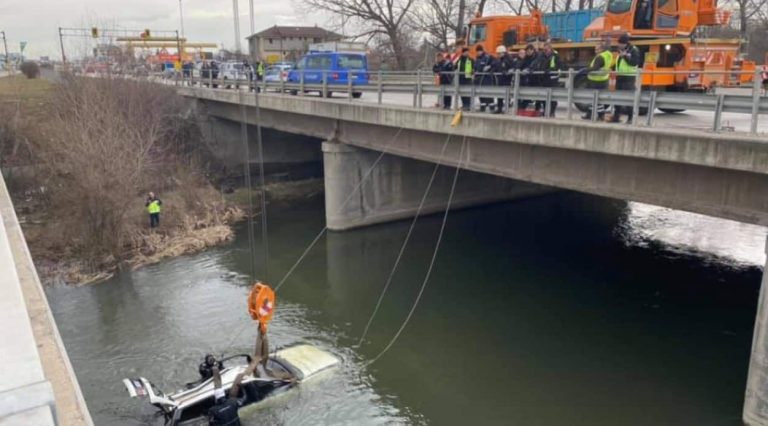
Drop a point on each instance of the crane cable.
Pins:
(405, 242)
(431, 263)
(248, 184)
(322, 232)
(341, 207)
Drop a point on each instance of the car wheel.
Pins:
(294, 92)
(357, 95)
(671, 110)
(327, 94)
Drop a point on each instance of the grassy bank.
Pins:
(80, 156)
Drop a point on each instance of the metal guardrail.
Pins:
(421, 83)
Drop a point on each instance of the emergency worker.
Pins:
(598, 73)
(549, 64)
(153, 208)
(465, 67)
(627, 62)
(484, 77)
(443, 70)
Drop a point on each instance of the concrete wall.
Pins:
(717, 175)
(283, 152)
(394, 188)
(23, 386)
(37, 383)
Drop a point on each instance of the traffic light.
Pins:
(94, 32)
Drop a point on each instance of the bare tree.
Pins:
(387, 18)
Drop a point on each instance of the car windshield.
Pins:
(476, 33)
(351, 62)
(273, 70)
(619, 6)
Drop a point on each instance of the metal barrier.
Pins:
(422, 83)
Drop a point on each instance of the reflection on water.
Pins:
(565, 309)
(684, 232)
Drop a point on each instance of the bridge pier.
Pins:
(756, 396)
(396, 185)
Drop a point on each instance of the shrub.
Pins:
(30, 69)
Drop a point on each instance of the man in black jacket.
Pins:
(627, 63)
(505, 68)
(549, 64)
(485, 64)
(443, 69)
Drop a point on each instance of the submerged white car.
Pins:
(289, 367)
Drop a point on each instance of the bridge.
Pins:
(505, 157)
(38, 385)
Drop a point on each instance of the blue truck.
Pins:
(335, 68)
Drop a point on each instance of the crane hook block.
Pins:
(261, 304)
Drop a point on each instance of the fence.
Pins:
(418, 84)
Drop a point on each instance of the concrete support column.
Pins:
(756, 396)
(396, 185)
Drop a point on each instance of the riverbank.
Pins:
(80, 155)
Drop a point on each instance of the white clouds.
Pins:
(37, 22)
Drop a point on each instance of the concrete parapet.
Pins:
(34, 367)
(396, 186)
(23, 385)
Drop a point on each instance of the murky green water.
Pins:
(561, 310)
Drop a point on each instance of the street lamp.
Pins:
(181, 18)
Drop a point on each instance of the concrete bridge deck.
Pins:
(722, 175)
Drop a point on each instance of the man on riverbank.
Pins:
(153, 208)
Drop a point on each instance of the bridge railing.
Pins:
(411, 87)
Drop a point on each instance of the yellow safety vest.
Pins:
(260, 69)
(153, 207)
(604, 73)
(623, 67)
(467, 67)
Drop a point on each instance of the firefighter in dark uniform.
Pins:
(627, 62)
(549, 64)
(505, 68)
(443, 69)
(484, 63)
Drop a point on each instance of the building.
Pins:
(287, 43)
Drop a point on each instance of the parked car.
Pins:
(276, 73)
(232, 71)
(337, 68)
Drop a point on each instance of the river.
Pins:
(564, 309)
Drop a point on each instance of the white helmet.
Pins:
(501, 49)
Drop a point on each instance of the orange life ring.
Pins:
(261, 304)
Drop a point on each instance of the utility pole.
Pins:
(236, 12)
(5, 48)
(181, 18)
(253, 27)
(61, 42)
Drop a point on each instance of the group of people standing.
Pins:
(539, 68)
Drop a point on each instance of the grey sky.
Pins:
(37, 21)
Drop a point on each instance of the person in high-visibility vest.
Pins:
(153, 208)
(465, 67)
(627, 63)
(598, 74)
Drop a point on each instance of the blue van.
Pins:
(338, 68)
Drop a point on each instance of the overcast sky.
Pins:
(37, 21)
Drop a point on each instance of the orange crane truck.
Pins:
(677, 54)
